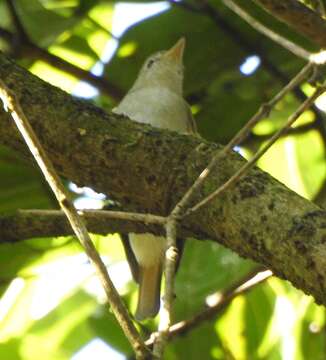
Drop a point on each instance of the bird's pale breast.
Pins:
(159, 107)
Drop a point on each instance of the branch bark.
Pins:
(27, 224)
(298, 16)
(11, 104)
(150, 169)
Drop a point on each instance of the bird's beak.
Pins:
(176, 52)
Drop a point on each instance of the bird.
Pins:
(156, 98)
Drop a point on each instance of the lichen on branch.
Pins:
(149, 170)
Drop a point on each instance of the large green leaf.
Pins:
(205, 268)
(200, 343)
(259, 310)
(312, 337)
(41, 24)
(106, 327)
(62, 332)
(21, 185)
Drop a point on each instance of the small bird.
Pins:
(155, 98)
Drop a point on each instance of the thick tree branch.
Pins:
(298, 16)
(120, 311)
(26, 224)
(150, 169)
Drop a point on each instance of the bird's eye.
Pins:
(150, 63)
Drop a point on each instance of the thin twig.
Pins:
(253, 139)
(144, 218)
(300, 17)
(212, 311)
(244, 169)
(204, 7)
(318, 6)
(176, 213)
(171, 259)
(263, 111)
(321, 9)
(12, 105)
(287, 44)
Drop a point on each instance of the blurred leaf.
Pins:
(54, 76)
(76, 50)
(21, 185)
(24, 257)
(218, 118)
(11, 347)
(310, 154)
(5, 20)
(205, 269)
(282, 165)
(312, 337)
(259, 308)
(41, 24)
(63, 331)
(102, 14)
(200, 343)
(230, 327)
(105, 326)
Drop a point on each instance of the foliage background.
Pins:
(52, 306)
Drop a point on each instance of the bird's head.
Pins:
(164, 68)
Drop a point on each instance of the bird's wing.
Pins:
(131, 258)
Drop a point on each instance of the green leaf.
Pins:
(63, 331)
(202, 342)
(41, 24)
(309, 153)
(205, 268)
(106, 327)
(312, 337)
(21, 185)
(259, 309)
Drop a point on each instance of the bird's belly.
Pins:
(157, 107)
(148, 249)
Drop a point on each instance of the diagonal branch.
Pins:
(287, 44)
(249, 282)
(244, 169)
(298, 16)
(259, 218)
(205, 8)
(318, 6)
(264, 110)
(120, 311)
(254, 140)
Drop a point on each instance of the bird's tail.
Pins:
(149, 292)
